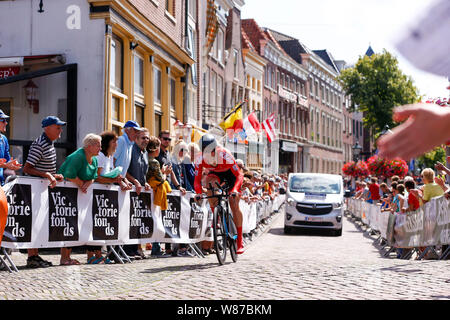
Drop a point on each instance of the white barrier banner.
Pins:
(245, 209)
(427, 226)
(40, 217)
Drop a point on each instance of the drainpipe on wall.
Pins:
(186, 66)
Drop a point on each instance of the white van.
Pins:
(314, 200)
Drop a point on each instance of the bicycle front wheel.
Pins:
(220, 236)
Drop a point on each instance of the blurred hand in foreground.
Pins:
(426, 126)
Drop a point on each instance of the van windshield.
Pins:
(315, 184)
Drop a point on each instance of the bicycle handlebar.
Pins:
(224, 192)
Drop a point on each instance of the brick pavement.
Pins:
(311, 265)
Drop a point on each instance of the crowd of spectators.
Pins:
(134, 161)
(402, 195)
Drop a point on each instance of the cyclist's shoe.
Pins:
(240, 248)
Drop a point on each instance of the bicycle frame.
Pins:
(221, 197)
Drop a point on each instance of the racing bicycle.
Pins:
(224, 229)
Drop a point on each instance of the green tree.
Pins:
(377, 85)
(429, 159)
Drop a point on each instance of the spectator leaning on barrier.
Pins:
(164, 159)
(105, 161)
(122, 156)
(397, 205)
(398, 199)
(413, 201)
(190, 166)
(384, 189)
(271, 189)
(164, 156)
(106, 167)
(137, 174)
(41, 162)
(6, 162)
(137, 170)
(386, 203)
(156, 178)
(81, 168)
(431, 189)
(246, 193)
(363, 191)
(180, 160)
(374, 189)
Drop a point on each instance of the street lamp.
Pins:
(356, 151)
(31, 90)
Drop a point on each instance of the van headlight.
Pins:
(337, 205)
(291, 202)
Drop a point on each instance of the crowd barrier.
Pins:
(43, 217)
(428, 226)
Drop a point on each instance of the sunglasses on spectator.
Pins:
(167, 139)
(3, 120)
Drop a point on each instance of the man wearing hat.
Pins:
(41, 162)
(122, 156)
(8, 162)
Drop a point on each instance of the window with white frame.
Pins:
(192, 8)
(172, 91)
(170, 7)
(316, 89)
(139, 105)
(235, 63)
(206, 87)
(116, 64)
(157, 85)
(212, 90)
(138, 75)
(220, 44)
(219, 95)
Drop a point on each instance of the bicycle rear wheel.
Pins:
(220, 236)
(232, 242)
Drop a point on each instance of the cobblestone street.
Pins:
(309, 265)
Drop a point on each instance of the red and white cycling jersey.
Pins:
(225, 162)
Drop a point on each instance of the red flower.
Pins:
(349, 168)
(376, 166)
(362, 169)
(396, 167)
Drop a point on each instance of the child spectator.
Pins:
(398, 199)
(413, 200)
(386, 203)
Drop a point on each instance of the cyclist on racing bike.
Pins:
(222, 167)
